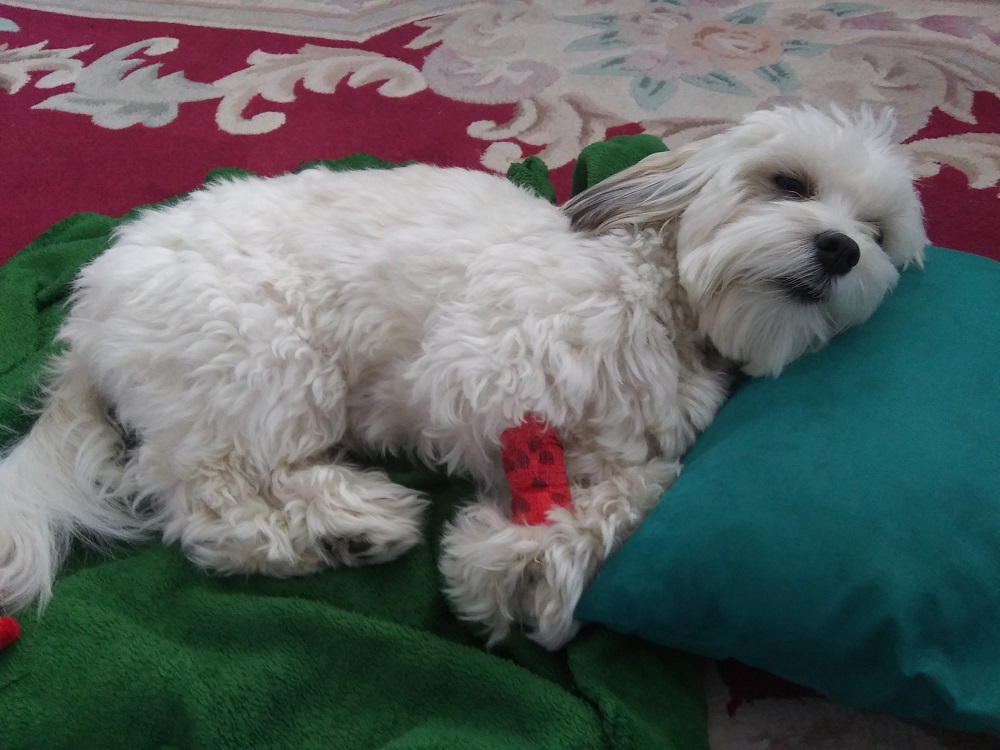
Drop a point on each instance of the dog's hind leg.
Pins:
(296, 521)
(358, 516)
(250, 487)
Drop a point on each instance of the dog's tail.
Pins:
(63, 480)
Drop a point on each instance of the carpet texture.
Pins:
(127, 102)
(109, 104)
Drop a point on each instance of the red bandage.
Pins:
(10, 631)
(534, 465)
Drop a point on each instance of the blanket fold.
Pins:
(142, 650)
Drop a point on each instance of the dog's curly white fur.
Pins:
(249, 337)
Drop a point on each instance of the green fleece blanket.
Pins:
(141, 650)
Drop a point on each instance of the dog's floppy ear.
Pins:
(652, 192)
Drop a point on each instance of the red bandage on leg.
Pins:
(534, 465)
(9, 631)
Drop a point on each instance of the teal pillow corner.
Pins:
(839, 526)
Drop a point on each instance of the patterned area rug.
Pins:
(113, 103)
(115, 112)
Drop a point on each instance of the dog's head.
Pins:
(789, 227)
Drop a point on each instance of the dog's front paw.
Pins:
(500, 574)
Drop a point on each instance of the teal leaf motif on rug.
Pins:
(802, 48)
(846, 10)
(7, 25)
(594, 20)
(604, 40)
(719, 81)
(782, 76)
(611, 66)
(650, 93)
(750, 15)
(607, 38)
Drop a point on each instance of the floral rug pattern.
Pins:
(107, 104)
(576, 69)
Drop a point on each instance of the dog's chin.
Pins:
(805, 290)
(765, 325)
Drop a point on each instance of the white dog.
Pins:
(226, 353)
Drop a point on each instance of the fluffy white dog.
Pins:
(227, 352)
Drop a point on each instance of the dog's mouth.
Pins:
(806, 291)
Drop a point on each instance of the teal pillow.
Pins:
(839, 526)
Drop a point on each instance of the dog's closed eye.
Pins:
(874, 230)
(792, 186)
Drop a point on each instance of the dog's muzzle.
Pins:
(836, 254)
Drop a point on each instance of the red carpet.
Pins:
(103, 112)
(109, 144)
(57, 162)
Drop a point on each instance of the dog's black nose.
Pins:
(836, 252)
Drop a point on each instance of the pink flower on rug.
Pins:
(665, 65)
(671, 41)
(725, 46)
(650, 27)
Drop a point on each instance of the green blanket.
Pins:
(142, 650)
